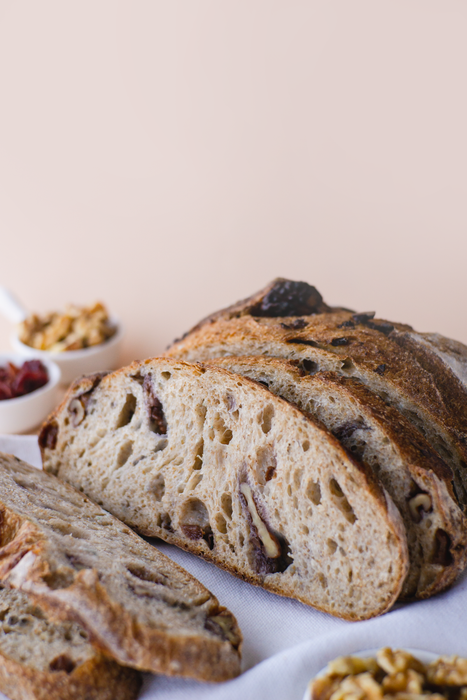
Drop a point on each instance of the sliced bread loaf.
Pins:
(79, 563)
(216, 464)
(415, 477)
(356, 345)
(42, 660)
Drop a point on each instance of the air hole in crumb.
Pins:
(200, 412)
(194, 521)
(226, 504)
(350, 575)
(342, 502)
(313, 491)
(305, 530)
(309, 366)
(222, 432)
(62, 663)
(335, 488)
(266, 416)
(241, 539)
(221, 524)
(289, 490)
(305, 445)
(332, 546)
(124, 453)
(323, 580)
(157, 487)
(348, 365)
(266, 464)
(166, 375)
(198, 463)
(127, 412)
(297, 478)
(161, 445)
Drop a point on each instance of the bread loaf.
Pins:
(415, 477)
(216, 464)
(376, 352)
(79, 563)
(42, 660)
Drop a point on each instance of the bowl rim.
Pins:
(69, 355)
(53, 371)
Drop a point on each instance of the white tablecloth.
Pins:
(285, 642)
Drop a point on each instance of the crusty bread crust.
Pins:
(353, 345)
(41, 660)
(216, 464)
(293, 298)
(403, 460)
(81, 564)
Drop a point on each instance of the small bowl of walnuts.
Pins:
(79, 339)
(28, 392)
(392, 674)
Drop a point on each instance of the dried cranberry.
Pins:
(17, 381)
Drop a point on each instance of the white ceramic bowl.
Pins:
(27, 412)
(424, 656)
(75, 363)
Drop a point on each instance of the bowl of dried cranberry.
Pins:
(28, 392)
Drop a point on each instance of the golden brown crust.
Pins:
(32, 560)
(95, 679)
(293, 298)
(374, 353)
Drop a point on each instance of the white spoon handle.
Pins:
(10, 307)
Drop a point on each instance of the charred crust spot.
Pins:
(48, 436)
(289, 298)
(442, 548)
(62, 663)
(296, 325)
(380, 369)
(155, 409)
(363, 317)
(339, 341)
(385, 328)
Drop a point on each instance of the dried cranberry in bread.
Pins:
(79, 563)
(414, 476)
(216, 464)
(44, 660)
(377, 352)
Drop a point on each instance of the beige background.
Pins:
(171, 157)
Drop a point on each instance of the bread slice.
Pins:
(410, 470)
(360, 346)
(79, 563)
(41, 660)
(216, 464)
